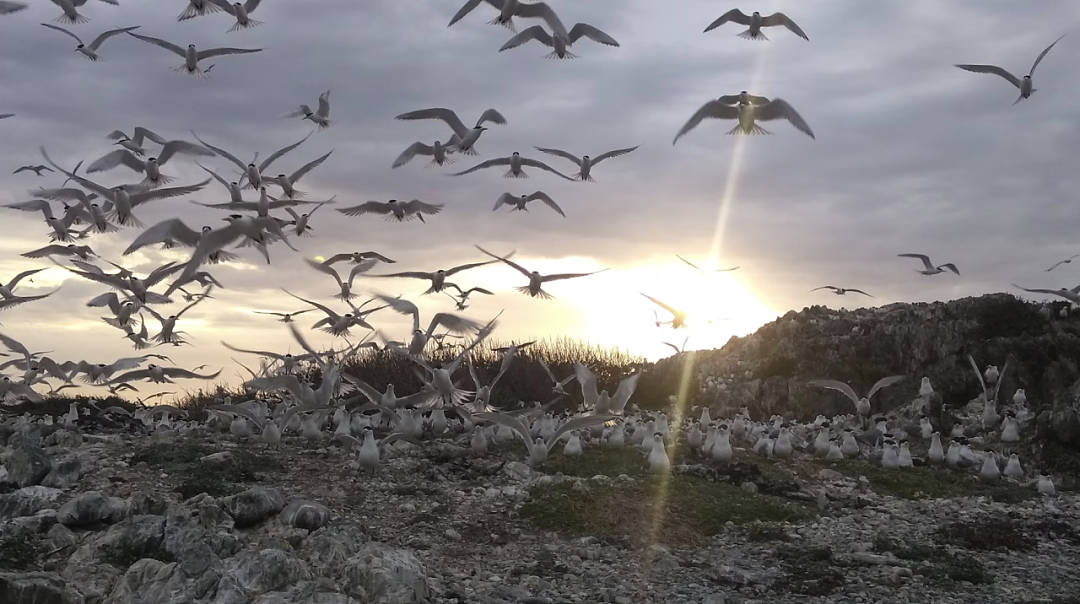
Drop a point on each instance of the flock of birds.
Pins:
(89, 209)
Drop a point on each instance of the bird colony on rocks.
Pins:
(266, 210)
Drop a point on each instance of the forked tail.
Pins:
(76, 20)
(748, 35)
(508, 24)
(565, 55)
(446, 160)
(250, 23)
(511, 174)
(195, 72)
(752, 130)
(543, 295)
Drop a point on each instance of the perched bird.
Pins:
(241, 12)
(1057, 264)
(540, 447)
(558, 43)
(463, 139)
(678, 317)
(518, 203)
(585, 163)
(536, 280)
(321, 117)
(928, 268)
(90, 51)
(755, 22)
(747, 115)
(402, 211)
(517, 165)
(702, 271)
(35, 169)
(840, 291)
(192, 56)
(1023, 84)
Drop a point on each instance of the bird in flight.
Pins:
(1024, 84)
(928, 267)
(840, 291)
(678, 317)
(755, 21)
(701, 270)
(1065, 261)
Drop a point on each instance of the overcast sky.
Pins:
(911, 155)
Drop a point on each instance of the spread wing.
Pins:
(713, 109)
(884, 382)
(1043, 54)
(615, 153)
(536, 32)
(784, 20)
(993, 69)
(210, 53)
(437, 113)
(838, 386)
(734, 15)
(781, 109)
(590, 32)
(161, 43)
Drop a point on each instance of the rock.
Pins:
(28, 466)
(153, 581)
(304, 514)
(253, 505)
(517, 471)
(134, 539)
(65, 473)
(830, 475)
(266, 570)
(83, 509)
(26, 501)
(36, 588)
(385, 574)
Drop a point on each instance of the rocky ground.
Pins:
(116, 518)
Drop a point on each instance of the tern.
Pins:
(135, 143)
(928, 268)
(369, 450)
(402, 211)
(192, 56)
(702, 271)
(287, 182)
(862, 405)
(320, 118)
(419, 339)
(556, 385)
(747, 114)
(61, 227)
(286, 317)
(508, 9)
(7, 290)
(241, 12)
(152, 166)
(1024, 84)
(123, 311)
(1072, 295)
(840, 291)
(517, 203)
(601, 403)
(437, 278)
(463, 295)
(289, 362)
(161, 375)
(198, 8)
(517, 165)
(71, 15)
(90, 51)
(168, 334)
(438, 152)
(539, 448)
(336, 324)
(356, 258)
(585, 163)
(557, 43)
(82, 251)
(536, 280)
(1065, 261)
(678, 317)
(301, 228)
(755, 22)
(345, 286)
(463, 138)
(35, 169)
(177, 233)
(253, 172)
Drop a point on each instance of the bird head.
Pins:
(102, 365)
(151, 366)
(516, 154)
(481, 128)
(232, 217)
(191, 46)
(79, 47)
(281, 176)
(757, 13)
(584, 157)
(392, 201)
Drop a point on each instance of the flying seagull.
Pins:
(1072, 295)
(862, 405)
(840, 291)
(755, 22)
(585, 163)
(437, 278)
(240, 11)
(508, 9)
(518, 202)
(135, 143)
(678, 317)
(198, 8)
(929, 268)
(1024, 84)
(439, 153)
(463, 138)
(517, 165)
(192, 56)
(1065, 261)
(557, 43)
(395, 210)
(35, 169)
(320, 118)
(90, 51)
(536, 280)
(702, 271)
(747, 114)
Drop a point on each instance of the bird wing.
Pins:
(418, 207)
(504, 199)
(884, 382)
(712, 109)
(978, 374)
(145, 196)
(270, 355)
(324, 268)
(838, 386)
(624, 392)
(437, 113)
(370, 207)
(452, 323)
(491, 115)
(615, 153)
(779, 108)
(410, 152)
(144, 133)
(547, 370)
(592, 33)
(280, 152)
(308, 167)
(951, 267)
(782, 19)
(177, 372)
(498, 161)
(37, 205)
(670, 309)
(171, 148)
(925, 259)
(561, 276)
(513, 423)
(734, 15)
(578, 423)
(832, 287)
(540, 10)
(98, 41)
(1043, 54)
(61, 29)
(465, 267)
(548, 201)
(859, 291)
(324, 98)
(161, 43)
(536, 32)
(221, 152)
(994, 69)
(210, 53)
(535, 163)
(510, 263)
(22, 276)
(688, 262)
(469, 6)
(114, 159)
(587, 379)
(561, 153)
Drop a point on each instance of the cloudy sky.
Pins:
(911, 155)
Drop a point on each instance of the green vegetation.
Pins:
(921, 483)
(940, 567)
(19, 552)
(763, 532)
(810, 571)
(994, 533)
(182, 460)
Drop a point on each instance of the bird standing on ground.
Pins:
(1024, 84)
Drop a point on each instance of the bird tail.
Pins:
(153, 184)
(128, 220)
(588, 178)
(344, 297)
(446, 160)
(76, 20)
(113, 321)
(520, 174)
(108, 228)
(341, 333)
(156, 298)
(752, 130)
(306, 233)
(543, 295)
(295, 195)
(250, 23)
(761, 37)
(195, 72)
(509, 24)
(566, 55)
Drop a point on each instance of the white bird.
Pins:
(191, 55)
(175, 233)
(301, 228)
(7, 290)
(678, 317)
(321, 117)
(1065, 261)
(345, 286)
(1072, 295)
(747, 115)
(252, 172)
(1045, 485)
(152, 166)
(463, 139)
(241, 12)
(659, 462)
(370, 448)
(167, 333)
(517, 203)
(161, 375)
(539, 448)
(558, 43)
(437, 278)
(925, 389)
(508, 9)
(198, 8)
(517, 165)
(135, 143)
(840, 291)
(90, 51)
(536, 280)
(440, 154)
(82, 251)
(600, 403)
(928, 267)
(35, 169)
(402, 211)
(585, 163)
(1023, 84)
(862, 405)
(755, 22)
(287, 182)
(70, 14)
(336, 324)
